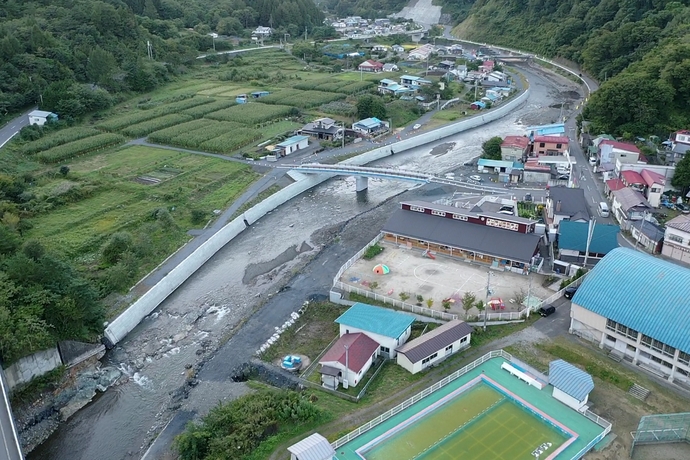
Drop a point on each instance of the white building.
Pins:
(291, 145)
(677, 238)
(571, 386)
(348, 360)
(389, 328)
(610, 151)
(313, 447)
(435, 346)
(634, 305)
(39, 117)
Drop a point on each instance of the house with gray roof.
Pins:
(565, 203)
(571, 386)
(648, 235)
(634, 305)
(677, 239)
(629, 205)
(435, 346)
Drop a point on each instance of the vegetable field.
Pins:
(208, 135)
(302, 99)
(125, 121)
(251, 113)
(147, 127)
(201, 110)
(58, 138)
(79, 147)
(231, 141)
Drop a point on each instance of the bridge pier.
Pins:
(362, 183)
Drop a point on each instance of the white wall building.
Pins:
(571, 386)
(677, 239)
(435, 346)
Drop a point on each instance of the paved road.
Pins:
(8, 131)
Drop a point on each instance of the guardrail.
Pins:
(419, 396)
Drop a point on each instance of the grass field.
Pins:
(480, 423)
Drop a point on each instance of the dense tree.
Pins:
(371, 106)
(681, 178)
(491, 149)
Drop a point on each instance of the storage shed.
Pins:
(571, 385)
(314, 447)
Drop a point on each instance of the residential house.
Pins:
(612, 185)
(412, 82)
(390, 67)
(383, 22)
(680, 144)
(379, 49)
(654, 186)
(455, 49)
(397, 49)
(647, 234)
(421, 53)
(446, 65)
(348, 360)
(370, 126)
(370, 66)
(636, 324)
(477, 105)
(565, 203)
(556, 129)
(388, 86)
(633, 179)
(40, 117)
(389, 328)
(313, 447)
(262, 32)
(610, 151)
(629, 205)
(572, 241)
(677, 239)
(500, 166)
(504, 91)
(435, 346)
(291, 145)
(550, 145)
(490, 99)
(487, 66)
(322, 128)
(502, 241)
(571, 385)
(514, 148)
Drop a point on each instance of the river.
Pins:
(190, 325)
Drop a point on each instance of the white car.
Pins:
(417, 126)
(476, 178)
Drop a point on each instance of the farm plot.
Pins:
(147, 127)
(231, 141)
(251, 114)
(139, 116)
(79, 147)
(58, 138)
(357, 86)
(201, 110)
(302, 99)
(192, 134)
(322, 84)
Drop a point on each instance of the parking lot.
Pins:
(439, 279)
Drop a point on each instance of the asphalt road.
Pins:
(8, 131)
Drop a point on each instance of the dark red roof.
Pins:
(552, 139)
(651, 177)
(632, 177)
(621, 146)
(515, 141)
(372, 63)
(360, 347)
(615, 184)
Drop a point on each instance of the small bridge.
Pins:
(363, 173)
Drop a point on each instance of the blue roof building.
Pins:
(635, 305)
(556, 129)
(370, 125)
(388, 327)
(571, 385)
(572, 241)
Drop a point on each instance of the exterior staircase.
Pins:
(639, 392)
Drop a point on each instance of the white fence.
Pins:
(599, 421)
(419, 396)
(130, 318)
(356, 257)
(503, 315)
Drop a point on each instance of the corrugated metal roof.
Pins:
(351, 350)
(642, 292)
(573, 235)
(680, 222)
(572, 200)
(629, 198)
(436, 340)
(313, 447)
(632, 177)
(378, 320)
(570, 380)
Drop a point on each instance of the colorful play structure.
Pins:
(496, 303)
(382, 269)
(291, 363)
(428, 254)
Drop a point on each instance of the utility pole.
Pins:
(305, 34)
(590, 233)
(486, 299)
(343, 135)
(529, 294)
(149, 49)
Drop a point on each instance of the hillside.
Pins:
(640, 50)
(76, 56)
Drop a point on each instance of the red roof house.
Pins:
(614, 184)
(348, 360)
(650, 178)
(371, 66)
(487, 66)
(632, 179)
(514, 148)
(620, 146)
(549, 145)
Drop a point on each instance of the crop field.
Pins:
(149, 126)
(139, 116)
(120, 202)
(251, 113)
(201, 110)
(335, 85)
(231, 141)
(301, 99)
(207, 135)
(79, 147)
(58, 138)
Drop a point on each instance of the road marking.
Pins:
(8, 139)
(593, 202)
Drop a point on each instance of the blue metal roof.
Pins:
(570, 380)
(573, 235)
(642, 292)
(372, 122)
(292, 140)
(378, 320)
(495, 163)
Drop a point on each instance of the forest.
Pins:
(79, 56)
(638, 50)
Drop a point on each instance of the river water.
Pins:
(191, 323)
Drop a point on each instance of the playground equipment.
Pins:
(291, 363)
(429, 255)
(382, 269)
(496, 303)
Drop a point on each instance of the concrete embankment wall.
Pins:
(31, 366)
(142, 307)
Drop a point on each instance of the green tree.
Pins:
(468, 300)
(371, 106)
(491, 149)
(681, 178)
(116, 246)
(100, 66)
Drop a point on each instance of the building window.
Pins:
(459, 217)
(558, 146)
(438, 213)
(610, 338)
(385, 349)
(449, 348)
(631, 348)
(656, 190)
(416, 208)
(421, 241)
(610, 325)
(684, 358)
(682, 371)
(426, 360)
(463, 340)
(675, 238)
(646, 341)
(541, 144)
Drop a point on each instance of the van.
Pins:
(603, 209)
(547, 310)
